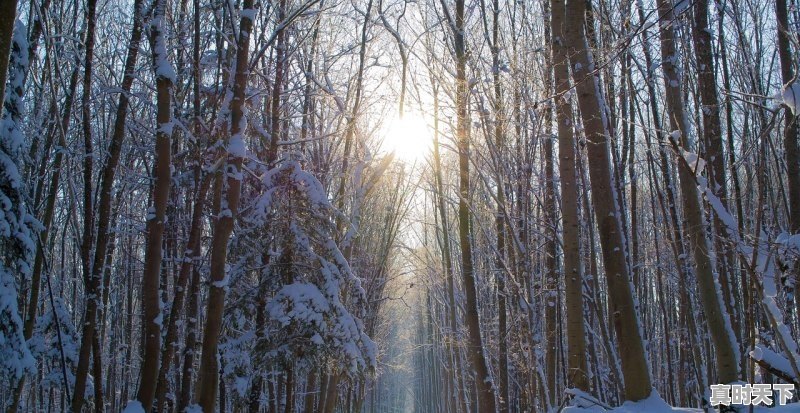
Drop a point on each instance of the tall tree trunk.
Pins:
(152, 317)
(192, 307)
(500, 220)
(624, 312)
(550, 299)
(742, 307)
(790, 129)
(714, 154)
(718, 322)
(668, 200)
(485, 390)
(207, 385)
(192, 253)
(577, 374)
(451, 340)
(8, 15)
(91, 283)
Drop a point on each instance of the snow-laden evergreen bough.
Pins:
(310, 300)
(17, 226)
(308, 315)
(48, 349)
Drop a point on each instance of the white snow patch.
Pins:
(162, 67)
(249, 13)
(696, 163)
(193, 408)
(236, 146)
(653, 404)
(791, 95)
(224, 282)
(773, 359)
(134, 406)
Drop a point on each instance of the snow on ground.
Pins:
(789, 408)
(585, 403)
(134, 406)
(655, 404)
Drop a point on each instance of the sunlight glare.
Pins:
(408, 137)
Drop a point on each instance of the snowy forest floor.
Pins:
(656, 405)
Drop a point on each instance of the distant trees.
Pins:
(220, 225)
(622, 174)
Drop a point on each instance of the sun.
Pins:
(409, 137)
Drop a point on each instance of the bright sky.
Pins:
(410, 138)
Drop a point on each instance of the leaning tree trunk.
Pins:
(625, 313)
(714, 154)
(718, 323)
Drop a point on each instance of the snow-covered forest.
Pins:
(430, 206)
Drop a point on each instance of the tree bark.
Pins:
(718, 322)
(91, 282)
(485, 390)
(207, 385)
(790, 128)
(714, 154)
(452, 338)
(8, 15)
(624, 312)
(577, 374)
(152, 317)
